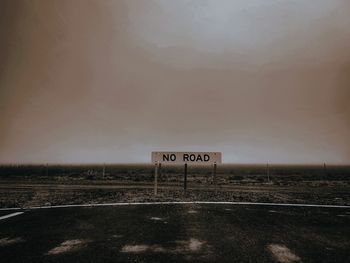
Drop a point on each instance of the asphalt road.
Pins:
(177, 233)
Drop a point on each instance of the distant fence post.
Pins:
(268, 172)
(103, 170)
(156, 179)
(47, 169)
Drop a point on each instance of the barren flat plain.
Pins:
(245, 213)
(39, 185)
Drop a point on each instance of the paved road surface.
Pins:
(177, 233)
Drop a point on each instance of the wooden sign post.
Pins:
(156, 179)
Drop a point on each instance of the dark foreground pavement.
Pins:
(177, 233)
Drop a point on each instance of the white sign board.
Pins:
(186, 157)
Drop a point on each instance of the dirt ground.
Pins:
(39, 185)
(16, 195)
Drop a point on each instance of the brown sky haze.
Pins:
(111, 81)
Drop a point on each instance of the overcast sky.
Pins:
(111, 81)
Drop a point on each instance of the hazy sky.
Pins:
(111, 81)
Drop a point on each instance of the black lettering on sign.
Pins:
(173, 157)
(199, 158)
(169, 157)
(192, 157)
(165, 157)
(206, 158)
(185, 157)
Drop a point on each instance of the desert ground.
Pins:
(195, 225)
(39, 185)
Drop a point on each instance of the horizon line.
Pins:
(151, 163)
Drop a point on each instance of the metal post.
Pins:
(214, 174)
(156, 179)
(47, 169)
(185, 178)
